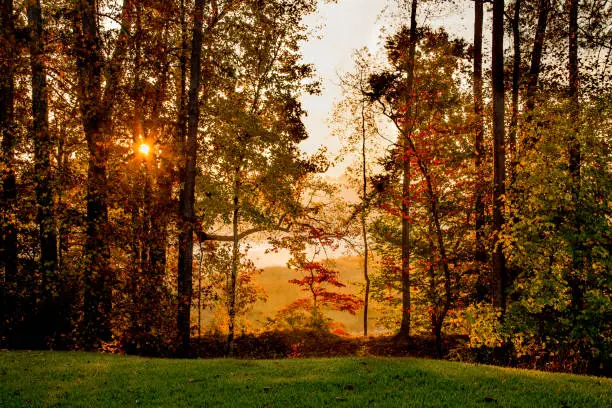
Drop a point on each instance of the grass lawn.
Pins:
(36, 379)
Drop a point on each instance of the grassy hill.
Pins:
(75, 379)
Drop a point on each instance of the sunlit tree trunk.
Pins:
(187, 193)
(499, 155)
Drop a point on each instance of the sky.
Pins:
(341, 28)
(338, 29)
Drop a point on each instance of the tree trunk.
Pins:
(405, 325)
(479, 207)
(536, 61)
(576, 280)
(364, 230)
(235, 263)
(516, 83)
(574, 80)
(96, 110)
(97, 303)
(9, 188)
(499, 155)
(42, 162)
(187, 194)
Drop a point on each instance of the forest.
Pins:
(150, 147)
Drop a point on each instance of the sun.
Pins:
(144, 149)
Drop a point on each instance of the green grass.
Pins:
(36, 379)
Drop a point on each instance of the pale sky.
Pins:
(349, 25)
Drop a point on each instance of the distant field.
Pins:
(70, 379)
(281, 293)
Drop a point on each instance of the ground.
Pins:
(41, 379)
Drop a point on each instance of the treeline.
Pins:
(489, 211)
(145, 144)
(129, 130)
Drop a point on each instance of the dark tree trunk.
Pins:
(516, 83)
(364, 229)
(96, 111)
(575, 281)
(42, 160)
(9, 188)
(97, 303)
(405, 325)
(187, 194)
(536, 56)
(499, 155)
(574, 80)
(235, 263)
(479, 150)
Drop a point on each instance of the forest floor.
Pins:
(43, 379)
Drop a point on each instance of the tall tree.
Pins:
(479, 150)
(8, 225)
(536, 56)
(516, 83)
(187, 194)
(98, 81)
(575, 280)
(42, 149)
(408, 124)
(364, 217)
(574, 79)
(499, 155)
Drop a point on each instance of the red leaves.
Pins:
(317, 280)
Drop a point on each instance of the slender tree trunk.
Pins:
(499, 155)
(479, 207)
(364, 230)
(516, 83)
(574, 81)
(9, 188)
(42, 159)
(405, 325)
(235, 263)
(187, 194)
(576, 280)
(536, 63)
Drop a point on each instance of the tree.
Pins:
(479, 150)
(98, 81)
(187, 194)
(357, 125)
(8, 45)
(319, 280)
(499, 278)
(516, 83)
(410, 63)
(42, 157)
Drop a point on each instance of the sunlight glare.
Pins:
(144, 149)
